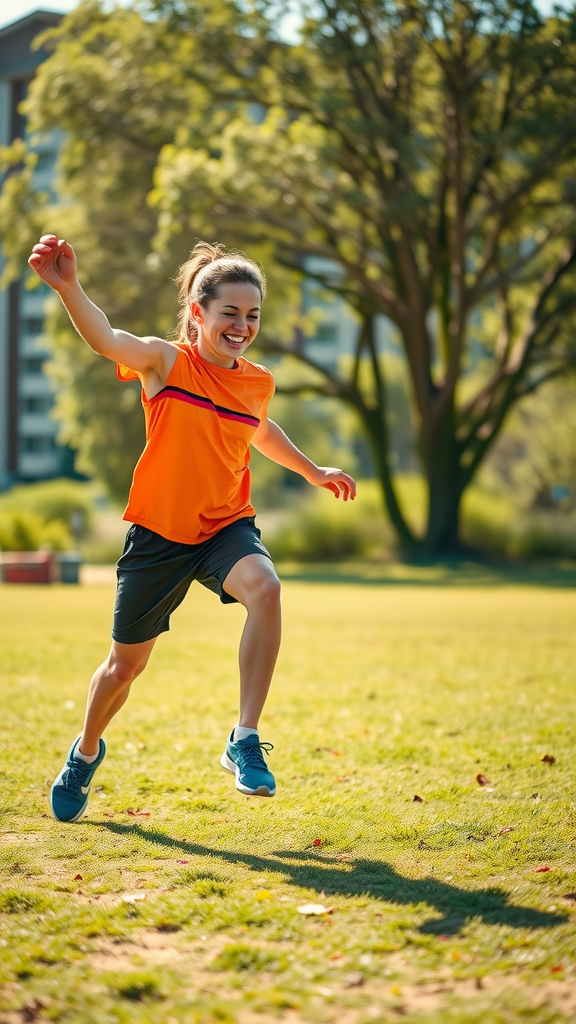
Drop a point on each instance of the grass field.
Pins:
(176, 900)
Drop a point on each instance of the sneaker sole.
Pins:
(229, 766)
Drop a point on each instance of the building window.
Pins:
(45, 160)
(326, 334)
(33, 366)
(36, 444)
(38, 404)
(33, 325)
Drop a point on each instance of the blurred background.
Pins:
(405, 173)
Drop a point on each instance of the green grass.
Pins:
(383, 693)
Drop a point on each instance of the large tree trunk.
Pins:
(445, 487)
(442, 535)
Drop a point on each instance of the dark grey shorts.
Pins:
(154, 575)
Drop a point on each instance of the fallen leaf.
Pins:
(353, 980)
(337, 956)
(503, 831)
(317, 842)
(556, 968)
(418, 799)
(264, 894)
(78, 878)
(337, 753)
(344, 857)
(137, 813)
(444, 937)
(134, 897)
(482, 780)
(314, 909)
(570, 896)
(108, 814)
(543, 868)
(182, 861)
(548, 759)
(536, 797)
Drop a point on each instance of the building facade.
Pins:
(28, 447)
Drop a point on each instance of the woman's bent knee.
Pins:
(127, 661)
(266, 590)
(125, 671)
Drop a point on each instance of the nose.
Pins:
(241, 325)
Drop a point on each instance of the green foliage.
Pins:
(320, 529)
(537, 453)
(27, 531)
(52, 499)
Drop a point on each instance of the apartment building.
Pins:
(28, 446)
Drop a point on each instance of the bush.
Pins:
(324, 529)
(51, 500)
(494, 523)
(26, 531)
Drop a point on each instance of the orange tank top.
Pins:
(193, 477)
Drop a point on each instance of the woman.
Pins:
(189, 504)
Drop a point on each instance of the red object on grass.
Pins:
(29, 567)
(317, 842)
(543, 868)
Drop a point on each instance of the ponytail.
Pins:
(199, 278)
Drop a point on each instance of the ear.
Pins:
(196, 312)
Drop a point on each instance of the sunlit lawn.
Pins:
(438, 907)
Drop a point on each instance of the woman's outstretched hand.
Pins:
(54, 261)
(335, 480)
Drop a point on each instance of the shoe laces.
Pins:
(77, 774)
(252, 754)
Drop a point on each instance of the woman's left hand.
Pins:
(336, 480)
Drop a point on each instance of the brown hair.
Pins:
(200, 276)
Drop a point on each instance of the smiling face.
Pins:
(229, 323)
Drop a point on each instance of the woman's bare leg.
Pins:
(109, 689)
(254, 583)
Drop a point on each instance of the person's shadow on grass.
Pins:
(363, 877)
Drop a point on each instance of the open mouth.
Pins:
(236, 340)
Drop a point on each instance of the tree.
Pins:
(428, 149)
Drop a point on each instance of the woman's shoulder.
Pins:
(257, 369)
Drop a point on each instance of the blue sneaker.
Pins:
(244, 760)
(69, 795)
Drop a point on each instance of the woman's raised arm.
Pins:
(54, 260)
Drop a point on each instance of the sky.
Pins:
(12, 10)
